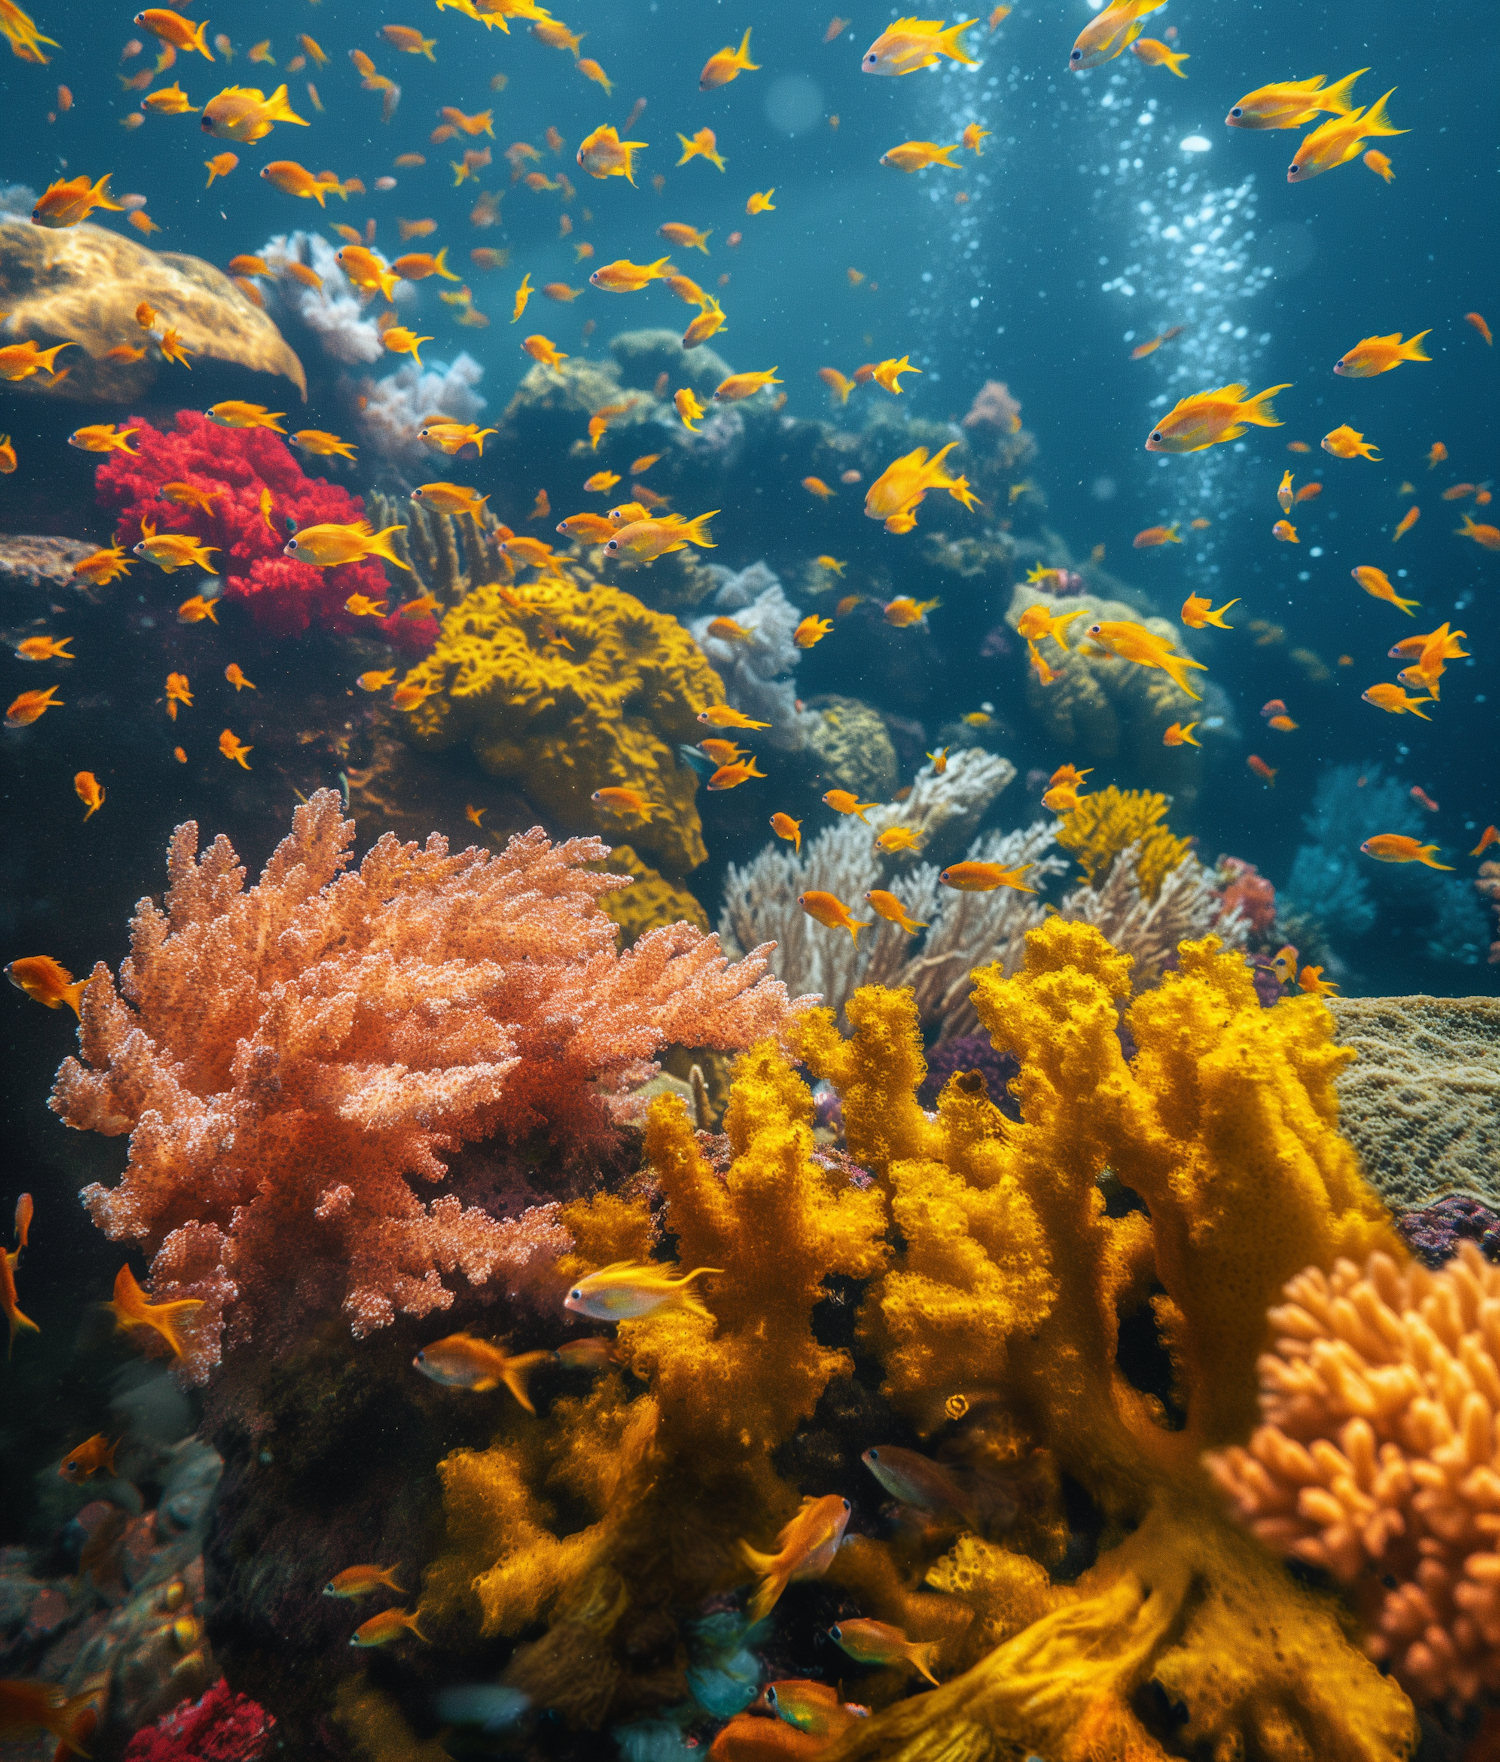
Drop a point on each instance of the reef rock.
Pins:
(83, 285)
(1422, 1101)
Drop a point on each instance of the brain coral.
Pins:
(1422, 1103)
(605, 711)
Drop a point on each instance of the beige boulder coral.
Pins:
(83, 284)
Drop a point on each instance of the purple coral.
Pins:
(1434, 1231)
(972, 1052)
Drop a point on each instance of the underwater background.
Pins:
(1101, 210)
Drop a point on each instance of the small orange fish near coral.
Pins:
(1490, 835)
(784, 826)
(26, 708)
(389, 1625)
(1156, 535)
(131, 1309)
(1180, 735)
(830, 911)
(47, 982)
(805, 1548)
(92, 1455)
(360, 1581)
(462, 1362)
(1397, 847)
(985, 877)
(620, 800)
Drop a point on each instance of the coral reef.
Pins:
(291, 1060)
(649, 902)
(1100, 709)
(606, 711)
(334, 312)
(1433, 1232)
(449, 554)
(236, 468)
(220, 1726)
(853, 748)
(396, 406)
(1422, 1101)
(690, 1459)
(755, 674)
(1008, 1304)
(1244, 889)
(1333, 883)
(963, 930)
(82, 285)
(1377, 1458)
(28, 560)
(1108, 822)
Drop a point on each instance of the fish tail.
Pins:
(742, 54)
(317, 192)
(19, 1323)
(855, 925)
(67, 1717)
(99, 196)
(198, 41)
(73, 994)
(279, 110)
(389, 1579)
(440, 267)
(773, 1580)
(661, 268)
(1412, 706)
(410, 1623)
(1335, 98)
(1174, 61)
(1175, 667)
(695, 531)
(514, 1377)
(1410, 351)
(1375, 120)
(1406, 606)
(924, 1657)
(378, 544)
(1258, 409)
(1426, 855)
(948, 41)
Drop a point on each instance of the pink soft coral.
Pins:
(1242, 885)
(292, 1060)
(235, 465)
(220, 1727)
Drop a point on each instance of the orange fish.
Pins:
(811, 630)
(44, 648)
(985, 877)
(1261, 769)
(732, 776)
(1339, 140)
(360, 1581)
(244, 114)
(1286, 532)
(463, 1362)
(1477, 320)
(90, 792)
(1490, 835)
(813, 485)
(1379, 354)
(1344, 443)
(26, 708)
(1307, 492)
(25, 1209)
(1180, 735)
(1156, 535)
(1380, 164)
(1437, 452)
(1396, 847)
(728, 64)
(235, 749)
(1377, 584)
(68, 203)
(784, 826)
(237, 678)
(830, 911)
(904, 611)
(1420, 795)
(1208, 419)
(1197, 610)
(1291, 103)
(703, 145)
(1311, 980)
(1395, 701)
(1408, 520)
(11, 1304)
(47, 982)
(1488, 536)
(620, 800)
(96, 1453)
(131, 1310)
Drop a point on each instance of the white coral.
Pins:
(756, 673)
(397, 405)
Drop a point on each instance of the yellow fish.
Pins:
(1393, 699)
(918, 155)
(1110, 33)
(103, 437)
(728, 64)
(319, 442)
(1396, 847)
(244, 114)
(66, 204)
(449, 498)
(1207, 419)
(172, 550)
(1290, 103)
(1379, 354)
(911, 44)
(1344, 443)
(604, 154)
(703, 145)
(462, 1362)
(830, 911)
(891, 909)
(1339, 140)
(1197, 610)
(234, 748)
(328, 545)
(233, 413)
(628, 1290)
(1133, 642)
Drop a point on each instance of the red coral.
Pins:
(235, 465)
(1241, 884)
(221, 1727)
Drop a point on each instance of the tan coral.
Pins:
(84, 284)
(608, 712)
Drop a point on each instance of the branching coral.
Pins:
(236, 467)
(607, 711)
(1008, 1296)
(448, 553)
(1107, 821)
(289, 1060)
(1379, 1458)
(691, 1458)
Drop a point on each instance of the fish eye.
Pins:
(1156, 434)
(1291, 170)
(848, 1506)
(291, 544)
(576, 1292)
(1077, 55)
(1237, 111)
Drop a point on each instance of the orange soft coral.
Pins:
(1379, 1458)
(293, 1059)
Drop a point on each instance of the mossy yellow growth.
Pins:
(650, 901)
(1009, 1292)
(376, 1728)
(668, 1480)
(606, 712)
(1107, 821)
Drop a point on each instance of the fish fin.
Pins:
(924, 1656)
(73, 996)
(198, 42)
(948, 41)
(279, 110)
(1335, 98)
(378, 544)
(1375, 121)
(1410, 350)
(1258, 409)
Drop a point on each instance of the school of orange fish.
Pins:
(246, 116)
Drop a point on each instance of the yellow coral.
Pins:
(1010, 1291)
(1107, 821)
(650, 900)
(606, 712)
(673, 1477)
